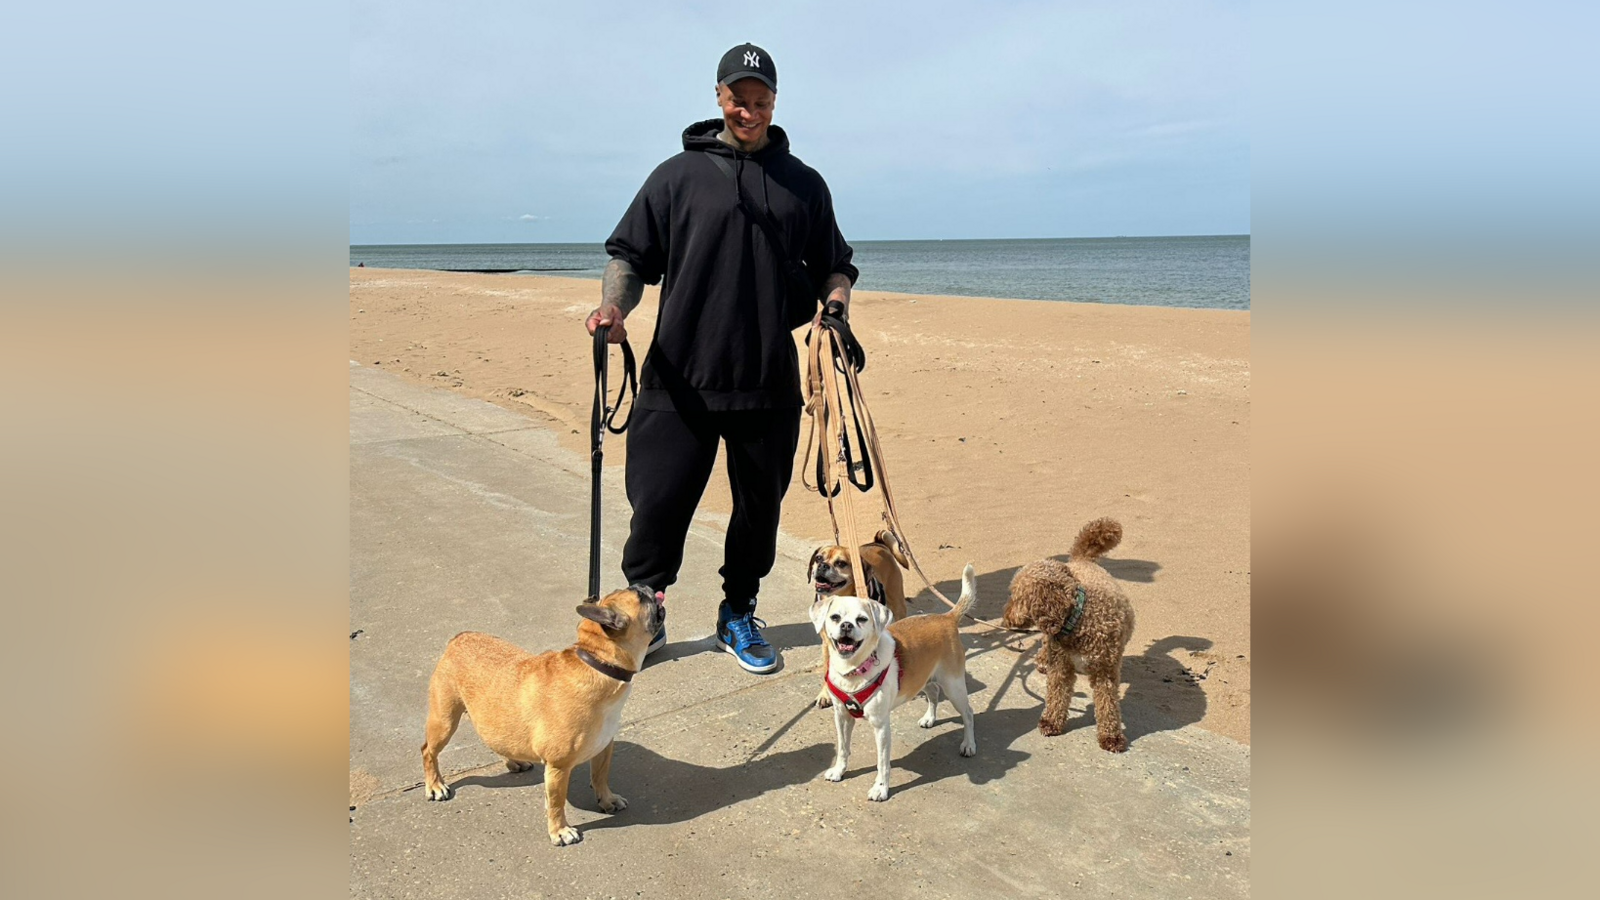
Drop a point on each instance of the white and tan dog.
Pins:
(831, 575)
(876, 664)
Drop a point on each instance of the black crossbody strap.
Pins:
(723, 164)
(764, 221)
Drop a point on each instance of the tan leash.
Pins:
(835, 401)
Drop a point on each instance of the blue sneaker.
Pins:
(741, 636)
(660, 639)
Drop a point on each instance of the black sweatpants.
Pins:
(670, 456)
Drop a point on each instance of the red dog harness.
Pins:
(852, 702)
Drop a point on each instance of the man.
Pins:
(742, 237)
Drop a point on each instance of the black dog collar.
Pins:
(604, 668)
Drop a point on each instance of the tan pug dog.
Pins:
(876, 664)
(831, 576)
(561, 708)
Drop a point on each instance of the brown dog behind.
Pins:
(561, 708)
(831, 575)
(1043, 595)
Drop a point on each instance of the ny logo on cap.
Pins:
(752, 58)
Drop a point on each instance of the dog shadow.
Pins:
(1163, 693)
(666, 791)
(994, 588)
(936, 759)
(1140, 570)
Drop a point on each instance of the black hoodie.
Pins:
(722, 338)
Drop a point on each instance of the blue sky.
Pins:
(511, 122)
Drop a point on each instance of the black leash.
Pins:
(600, 421)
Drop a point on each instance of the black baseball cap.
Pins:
(747, 61)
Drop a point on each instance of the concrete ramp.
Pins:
(465, 516)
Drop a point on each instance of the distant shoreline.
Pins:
(876, 293)
(1118, 237)
(1176, 271)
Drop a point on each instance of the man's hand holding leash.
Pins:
(610, 316)
(621, 288)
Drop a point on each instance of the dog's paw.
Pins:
(879, 792)
(969, 748)
(928, 720)
(614, 804)
(1051, 729)
(1118, 744)
(824, 699)
(564, 837)
(442, 792)
(517, 765)
(834, 774)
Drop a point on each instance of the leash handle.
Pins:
(604, 414)
(601, 420)
(831, 384)
(836, 343)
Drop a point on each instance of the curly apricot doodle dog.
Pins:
(1086, 620)
(830, 575)
(561, 708)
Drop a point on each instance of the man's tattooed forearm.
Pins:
(837, 287)
(621, 286)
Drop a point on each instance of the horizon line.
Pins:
(1102, 237)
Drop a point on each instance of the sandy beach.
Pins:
(1007, 425)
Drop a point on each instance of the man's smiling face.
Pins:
(746, 110)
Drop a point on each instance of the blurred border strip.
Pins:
(1424, 287)
(173, 230)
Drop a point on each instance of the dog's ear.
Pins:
(819, 612)
(1049, 619)
(1048, 613)
(811, 567)
(881, 615)
(604, 616)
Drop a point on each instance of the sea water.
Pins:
(1210, 272)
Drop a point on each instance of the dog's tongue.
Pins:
(661, 597)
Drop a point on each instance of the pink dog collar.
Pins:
(852, 702)
(864, 668)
